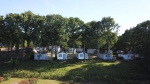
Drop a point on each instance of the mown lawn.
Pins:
(40, 81)
(90, 71)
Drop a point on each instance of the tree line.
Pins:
(54, 29)
(137, 40)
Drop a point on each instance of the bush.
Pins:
(6, 76)
(30, 81)
(13, 63)
(29, 53)
(1, 78)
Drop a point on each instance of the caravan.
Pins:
(62, 56)
(91, 51)
(105, 56)
(82, 56)
(127, 56)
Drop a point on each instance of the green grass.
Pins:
(118, 72)
(40, 81)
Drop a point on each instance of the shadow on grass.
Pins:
(118, 73)
(95, 71)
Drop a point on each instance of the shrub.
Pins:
(13, 63)
(24, 82)
(33, 80)
(6, 76)
(29, 53)
(30, 81)
(1, 78)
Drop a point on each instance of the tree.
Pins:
(2, 29)
(74, 32)
(109, 25)
(137, 39)
(12, 30)
(27, 26)
(38, 31)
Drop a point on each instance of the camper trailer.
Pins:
(91, 51)
(126, 56)
(42, 52)
(105, 56)
(70, 50)
(79, 50)
(62, 56)
(39, 57)
(58, 49)
(82, 56)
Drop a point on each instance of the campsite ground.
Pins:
(74, 71)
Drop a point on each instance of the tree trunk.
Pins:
(56, 51)
(84, 52)
(8, 50)
(52, 53)
(17, 50)
(73, 50)
(11, 50)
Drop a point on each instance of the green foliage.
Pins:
(29, 56)
(31, 44)
(137, 40)
(25, 43)
(7, 76)
(13, 63)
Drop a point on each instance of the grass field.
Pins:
(75, 71)
(40, 81)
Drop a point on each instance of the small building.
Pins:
(70, 50)
(62, 56)
(58, 49)
(4, 52)
(136, 56)
(126, 56)
(37, 56)
(79, 50)
(119, 51)
(91, 51)
(82, 56)
(105, 56)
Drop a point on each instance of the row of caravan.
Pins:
(60, 56)
(79, 54)
(63, 56)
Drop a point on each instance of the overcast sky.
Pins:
(127, 13)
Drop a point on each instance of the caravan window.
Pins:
(81, 55)
(60, 55)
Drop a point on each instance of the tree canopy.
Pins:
(54, 29)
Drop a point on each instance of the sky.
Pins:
(127, 13)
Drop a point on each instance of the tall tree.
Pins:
(2, 29)
(27, 26)
(109, 25)
(74, 28)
